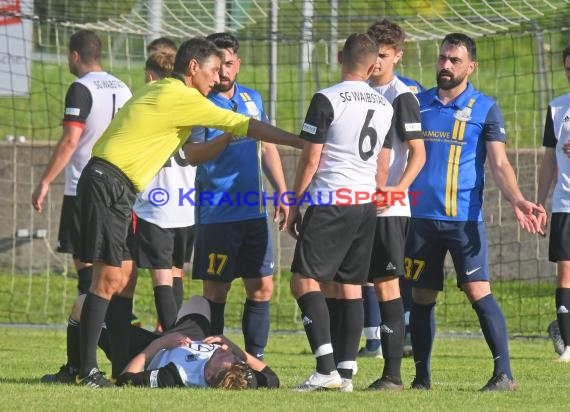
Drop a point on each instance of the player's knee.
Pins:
(216, 291)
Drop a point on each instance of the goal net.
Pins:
(288, 50)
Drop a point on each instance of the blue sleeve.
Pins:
(493, 128)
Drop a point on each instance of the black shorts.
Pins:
(158, 248)
(106, 197)
(335, 243)
(68, 236)
(559, 245)
(388, 253)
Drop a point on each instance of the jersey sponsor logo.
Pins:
(436, 134)
(72, 111)
(413, 127)
(309, 128)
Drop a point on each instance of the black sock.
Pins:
(423, 332)
(165, 306)
(332, 305)
(317, 327)
(84, 279)
(178, 290)
(494, 329)
(392, 330)
(73, 344)
(92, 317)
(351, 314)
(255, 327)
(217, 317)
(562, 313)
(118, 322)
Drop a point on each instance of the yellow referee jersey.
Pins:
(155, 122)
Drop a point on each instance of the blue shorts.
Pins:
(229, 250)
(429, 241)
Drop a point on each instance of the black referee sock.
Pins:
(351, 321)
(563, 313)
(92, 317)
(178, 289)
(217, 317)
(315, 317)
(392, 332)
(118, 322)
(73, 343)
(84, 279)
(165, 303)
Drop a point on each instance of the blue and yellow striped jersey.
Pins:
(229, 188)
(450, 185)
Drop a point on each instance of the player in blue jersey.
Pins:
(462, 128)
(233, 238)
(414, 86)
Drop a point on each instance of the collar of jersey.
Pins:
(460, 102)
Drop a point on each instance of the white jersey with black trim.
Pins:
(407, 126)
(351, 120)
(91, 103)
(168, 200)
(556, 135)
(190, 361)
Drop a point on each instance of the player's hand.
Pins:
(384, 198)
(174, 340)
(294, 222)
(219, 339)
(39, 196)
(281, 215)
(531, 217)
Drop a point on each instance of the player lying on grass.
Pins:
(185, 357)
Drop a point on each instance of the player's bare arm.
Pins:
(273, 169)
(59, 159)
(306, 169)
(168, 341)
(546, 174)
(271, 134)
(531, 217)
(416, 160)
